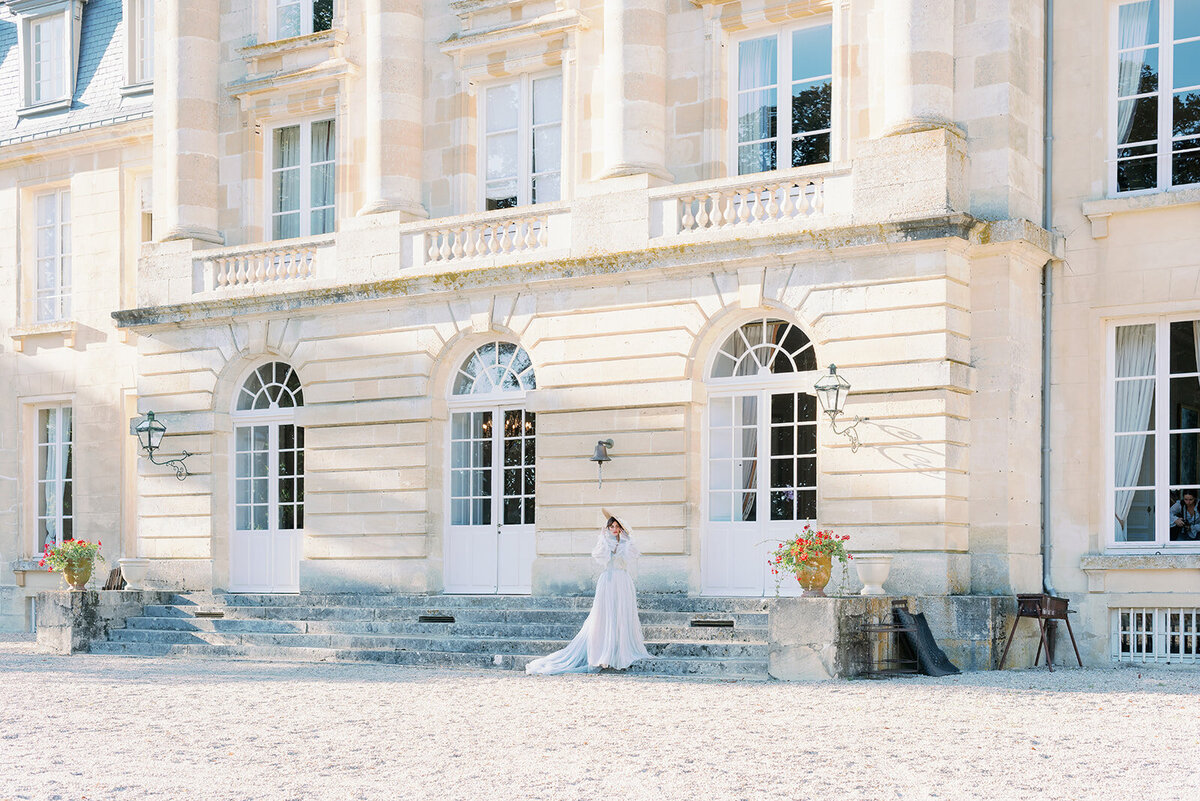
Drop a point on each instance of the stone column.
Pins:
(919, 65)
(635, 93)
(187, 51)
(393, 67)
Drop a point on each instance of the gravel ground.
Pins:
(88, 727)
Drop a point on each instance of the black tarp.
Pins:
(930, 657)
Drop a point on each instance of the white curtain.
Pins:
(749, 453)
(1135, 21)
(1135, 399)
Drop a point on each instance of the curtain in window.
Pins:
(1135, 357)
(1135, 22)
(749, 455)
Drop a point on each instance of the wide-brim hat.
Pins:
(609, 514)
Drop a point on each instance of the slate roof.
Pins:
(102, 72)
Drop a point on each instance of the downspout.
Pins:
(1047, 283)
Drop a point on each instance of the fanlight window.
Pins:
(275, 385)
(495, 367)
(764, 347)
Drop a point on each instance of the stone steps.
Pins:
(752, 669)
(489, 632)
(407, 627)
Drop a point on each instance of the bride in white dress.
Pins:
(612, 634)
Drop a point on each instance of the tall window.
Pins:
(53, 481)
(47, 58)
(1155, 430)
(303, 180)
(299, 17)
(1158, 95)
(522, 142)
(793, 68)
(53, 244)
(141, 41)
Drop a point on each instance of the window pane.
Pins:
(286, 226)
(1134, 462)
(756, 158)
(501, 156)
(1185, 456)
(1142, 116)
(547, 149)
(756, 115)
(1185, 403)
(547, 100)
(1138, 72)
(811, 104)
(501, 195)
(1135, 351)
(546, 188)
(322, 15)
(1138, 24)
(1135, 516)
(812, 52)
(502, 105)
(1185, 167)
(812, 149)
(1187, 18)
(757, 63)
(1185, 343)
(1135, 405)
(47, 205)
(287, 146)
(1183, 517)
(1137, 174)
(322, 141)
(287, 19)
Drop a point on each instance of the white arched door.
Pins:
(760, 455)
(268, 482)
(489, 544)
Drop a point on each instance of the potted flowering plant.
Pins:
(74, 558)
(809, 555)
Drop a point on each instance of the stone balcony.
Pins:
(627, 215)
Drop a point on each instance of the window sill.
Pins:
(22, 566)
(66, 328)
(1097, 565)
(294, 44)
(138, 89)
(1098, 211)
(44, 108)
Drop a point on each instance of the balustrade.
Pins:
(490, 238)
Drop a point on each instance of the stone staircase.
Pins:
(711, 637)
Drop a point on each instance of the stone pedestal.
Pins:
(68, 622)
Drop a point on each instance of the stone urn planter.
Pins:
(873, 569)
(814, 579)
(78, 572)
(133, 570)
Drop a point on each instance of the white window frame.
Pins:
(1160, 436)
(1166, 138)
(525, 128)
(306, 18)
(30, 13)
(31, 60)
(139, 38)
(783, 135)
(305, 167)
(1149, 632)
(37, 485)
(60, 292)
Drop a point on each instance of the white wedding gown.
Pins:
(612, 634)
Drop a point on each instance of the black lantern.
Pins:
(600, 456)
(150, 434)
(832, 391)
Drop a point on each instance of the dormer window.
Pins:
(49, 42)
(301, 17)
(139, 34)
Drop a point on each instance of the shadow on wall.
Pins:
(909, 452)
(101, 19)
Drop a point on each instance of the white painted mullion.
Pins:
(1162, 429)
(524, 141)
(1166, 52)
(272, 483)
(306, 167)
(783, 81)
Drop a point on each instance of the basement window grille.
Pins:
(210, 613)
(702, 623)
(1147, 634)
(435, 618)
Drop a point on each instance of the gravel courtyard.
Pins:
(104, 728)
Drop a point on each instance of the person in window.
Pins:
(611, 636)
(1185, 518)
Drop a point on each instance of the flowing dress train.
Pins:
(612, 634)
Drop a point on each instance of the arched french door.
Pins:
(268, 482)
(489, 544)
(760, 455)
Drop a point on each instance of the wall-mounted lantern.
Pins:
(832, 391)
(600, 456)
(150, 433)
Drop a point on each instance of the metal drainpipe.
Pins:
(1047, 287)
